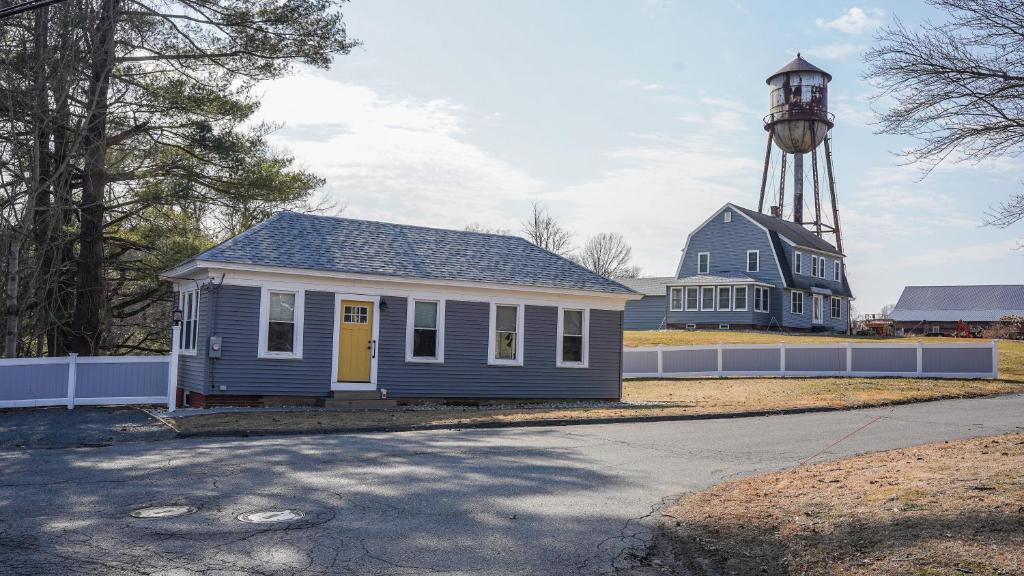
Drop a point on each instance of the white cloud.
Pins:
(855, 21)
(834, 51)
(638, 85)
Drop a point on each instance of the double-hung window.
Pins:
(739, 298)
(724, 298)
(189, 305)
(798, 262)
(837, 270)
(692, 298)
(703, 262)
(424, 331)
(753, 260)
(281, 316)
(796, 302)
(573, 328)
(814, 265)
(506, 341)
(707, 298)
(675, 299)
(836, 307)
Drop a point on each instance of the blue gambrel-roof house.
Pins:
(306, 306)
(744, 269)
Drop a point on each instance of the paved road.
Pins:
(565, 500)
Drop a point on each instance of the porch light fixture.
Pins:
(176, 316)
(383, 305)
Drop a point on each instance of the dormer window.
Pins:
(703, 262)
(837, 271)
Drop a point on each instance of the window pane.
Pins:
(723, 298)
(740, 293)
(505, 345)
(505, 318)
(424, 343)
(677, 298)
(691, 298)
(572, 349)
(572, 324)
(280, 336)
(425, 315)
(752, 262)
(708, 298)
(282, 307)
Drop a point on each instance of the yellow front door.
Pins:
(355, 342)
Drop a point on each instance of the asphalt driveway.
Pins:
(58, 427)
(562, 500)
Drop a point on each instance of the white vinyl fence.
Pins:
(938, 360)
(90, 380)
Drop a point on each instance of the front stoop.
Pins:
(368, 400)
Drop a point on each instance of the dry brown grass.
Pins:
(953, 508)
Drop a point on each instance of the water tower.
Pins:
(798, 123)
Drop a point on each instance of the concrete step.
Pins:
(358, 404)
(356, 395)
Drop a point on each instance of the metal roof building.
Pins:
(954, 303)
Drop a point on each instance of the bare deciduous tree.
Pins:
(958, 87)
(545, 231)
(478, 227)
(608, 254)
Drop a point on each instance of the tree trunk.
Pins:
(89, 290)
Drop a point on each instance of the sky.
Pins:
(637, 117)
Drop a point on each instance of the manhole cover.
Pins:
(267, 516)
(162, 511)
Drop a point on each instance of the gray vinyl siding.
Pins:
(727, 243)
(466, 374)
(806, 320)
(192, 369)
(241, 371)
(648, 313)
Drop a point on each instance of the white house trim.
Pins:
(686, 298)
(375, 329)
(298, 321)
(757, 262)
(410, 322)
(682, 301)
(586, 339)
(520, 334)
(708, 270)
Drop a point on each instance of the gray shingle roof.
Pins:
(708, 279)
(951, 303)
(293, 240)
(648, 286)
(796, 233)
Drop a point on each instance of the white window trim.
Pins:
(792, 302)
(798, 262)
(686, 301)
(836, 275)
(682, 302)
(727, 216)
(746, 299)
(410, 325)
(520, 335)
(831, 301)
(718, 297)
(814, 265)
(714, 299)
(708, 270)
(561, 332)
(765, 299)
(337, 385)
(300, 312)
(184, 321)
(820, 301)
(758, 267)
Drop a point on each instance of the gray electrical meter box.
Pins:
(215, 346)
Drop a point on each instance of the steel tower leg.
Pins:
(817, 192)
(832, 192)
(798, 188)
(764, 176)
(782, 185)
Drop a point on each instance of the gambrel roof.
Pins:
(308, 242)
(792, 231)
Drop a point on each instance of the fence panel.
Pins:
(938, 360)
(72, 380)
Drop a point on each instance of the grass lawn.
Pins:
(952, 508)
(647, 398)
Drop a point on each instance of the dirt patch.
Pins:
(952, 508)
(642, 399)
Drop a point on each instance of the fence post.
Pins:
(782, 357)
(661, 371)
(849, 357)
(172, 369)
(920, 358)
(72, 376)
(719, 358)
(995, 358)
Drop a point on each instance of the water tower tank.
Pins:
(799, 117)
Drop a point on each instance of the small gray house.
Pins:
(745, 269)
(649, 312)
(306, 307)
